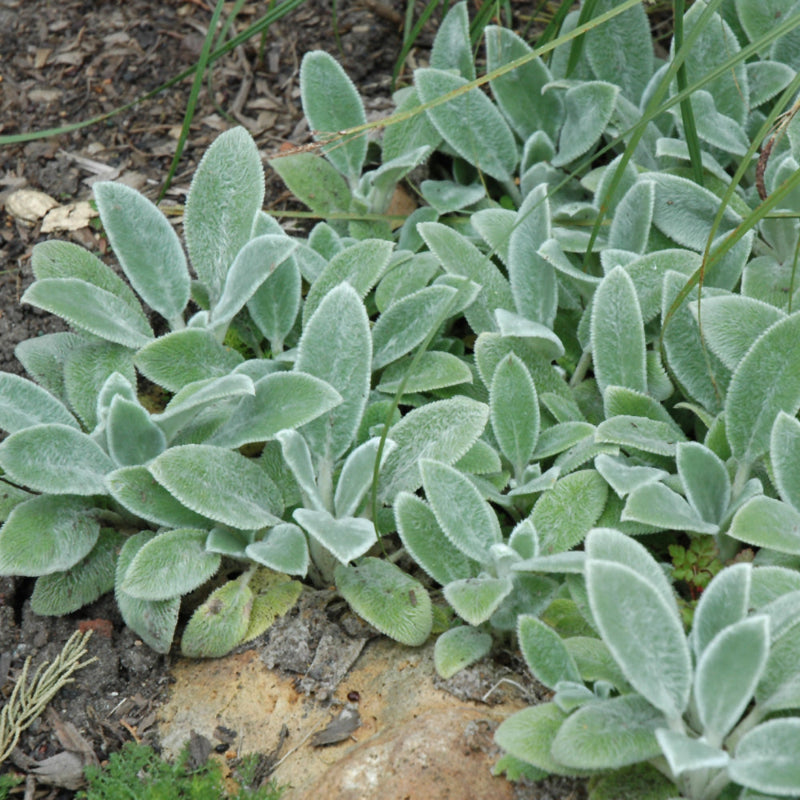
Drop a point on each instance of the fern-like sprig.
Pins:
(29, 698)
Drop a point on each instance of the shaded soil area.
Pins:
(62, 61)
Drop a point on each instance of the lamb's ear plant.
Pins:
(516, 382)
(102, 465)
(705, 710)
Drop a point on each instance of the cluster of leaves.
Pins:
(137, 773)
(512, 386)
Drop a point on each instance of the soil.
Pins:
(63, 61)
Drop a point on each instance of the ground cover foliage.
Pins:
(559, 399)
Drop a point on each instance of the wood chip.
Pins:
(29, 205)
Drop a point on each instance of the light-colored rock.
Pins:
(414, 741)
(445, 754)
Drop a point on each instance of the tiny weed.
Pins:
(137, 773)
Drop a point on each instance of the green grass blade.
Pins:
(576, 48)
(411, 33)
(687, 113)
(197, 83)
(554, 26)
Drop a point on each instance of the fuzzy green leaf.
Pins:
(687, 360)
(617, 331)
(274, 305)
(458, 648)
(220, 484)
(86, 370)
(685, 211)
(639, 433)
(220, 623)
(346, 538)
(589, 107)
(458, 256)
(225, 196)
(138, 491)
(466, 518)
(732, 322)
(434, 370)
(411, 133)
(282, 400)
(452, 48)
(253, 264)
(686, 754)
(630, 227)
(529, 734)
(44, 357)
(361, 265)
(314, 181)
(274, 595)
(339, 325)
(47, 534)
(609, 734)
(766, 758)
(185, 356)
(779, 687)
(23, 404)
(640, 625)
(541, 338)
(724, 602)
(355, 479)
(545, 652)
(647, 273)
(728, 672)
(424, 539)
(91, 309)
(132, 436)
(533, 278)
(283, 549)
(190, 401)
(519, 93)
(486, 141)
(623, 476)
(594, 661)
(406, 323)
(784, 453)
(621, 50)
(170, 564)
(765, 522)
(656, 504)
(561, 437)
(381, 593)
(297, 456)
(514, 412)
(564, 515)
(331, 103)
(55, 259)
(705, 480)
(406, 278)
(766, 382)
(476, 599)
(147, 247)
(715, 44)
(443, 430)
(56, 459)
(153, 620)
(64, 592)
